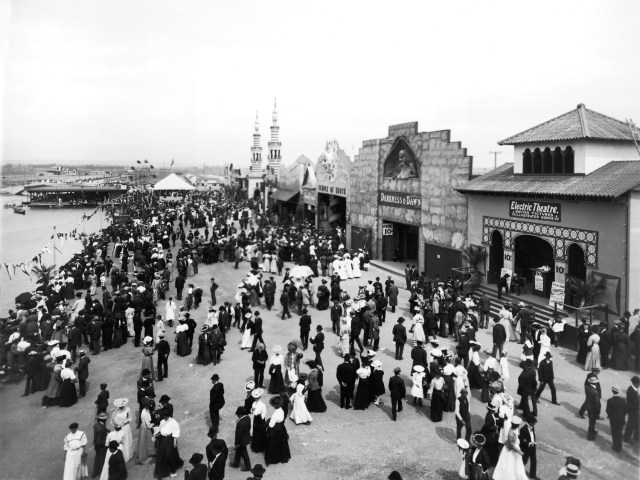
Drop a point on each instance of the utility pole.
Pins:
(495, 158)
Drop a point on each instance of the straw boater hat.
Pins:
(249, 386)
(479, 439)
(462, 444)
(204, 328)
(257, 393)
(418, 368)
(120, 402)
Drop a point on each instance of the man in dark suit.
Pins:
(346, 376)
(407, 276)
(592, 374)
(419, 355)
(83, 372)
(242, 439)
(75, 340)
(527, 387)
(398, 391)
(217, 453)
(336, 313)
(528, 444)
(616, 411)
(259, 359)
(216, 401)
(499, 337)
(318, 344)
(179, 283)
(485, 309)
(546, 376)
(100, 432)
(526, 318)
(305, 327)
(399, 333)
(31, 367)
(164, 349)
(257, 330)
(592, 406)
(213, 286)
(356, 327)
(633, 409)
(503, 284)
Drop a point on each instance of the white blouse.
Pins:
(170, 428)
(259, 409)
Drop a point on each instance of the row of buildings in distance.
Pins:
(568, 204)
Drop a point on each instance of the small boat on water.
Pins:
(19, 210)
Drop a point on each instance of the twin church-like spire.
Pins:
(274, 145)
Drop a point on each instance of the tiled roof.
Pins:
(580, 123)
(611, 181)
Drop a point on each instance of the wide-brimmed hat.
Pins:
(102, 416)
(573, 469)
(418, 368)
(147, 339)
(292, 346)
(462, 443)
(277, 349)
(479, 439)
(241, 410)
(249, 385)
(257, 393)
(258, 470)
(120, 402)
(204, 328)
(196, 458)
(376, 363)
(515, 421)
(275, 402)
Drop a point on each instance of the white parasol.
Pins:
(300, 271)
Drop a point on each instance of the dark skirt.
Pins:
(475, 376)
(259, 437)
(363, 395)
(450, 398)
(68, 394)
(277, 448)
(377, 384)
(183, 344)
(315, 402)
(168, 459)
(98, 463)
(204, 354)
(117, 338)
(437, 405)
(276, 379)
(43, 376)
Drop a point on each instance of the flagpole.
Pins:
(54, 245)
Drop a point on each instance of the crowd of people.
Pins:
(115, 294)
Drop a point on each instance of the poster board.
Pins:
(557, 294)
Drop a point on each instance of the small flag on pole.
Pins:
(172, 162)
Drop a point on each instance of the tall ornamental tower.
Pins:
(256, 150)
(274, 144)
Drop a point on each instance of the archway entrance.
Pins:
(575, 267)
(531, 253)
(496, 257)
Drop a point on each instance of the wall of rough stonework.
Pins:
(443, 165)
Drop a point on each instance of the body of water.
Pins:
(23, 236)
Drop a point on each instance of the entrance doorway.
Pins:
(532, 252)
(403, 245)
(575, 268)
(496, 257)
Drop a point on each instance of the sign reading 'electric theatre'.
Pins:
(399, 199)
(534, 210)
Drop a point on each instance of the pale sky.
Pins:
(120, 80)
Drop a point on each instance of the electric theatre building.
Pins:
(570, 201)
(402, 202)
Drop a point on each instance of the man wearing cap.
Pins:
(216, 401)
(546, 377)
(616, 411)
(398, 391)
(528, 444)
(199, 471)
(399, 333)
(346, 376)
(83, 372)
(633, 408)
(242, 439)
(74, 445)
(463, 415)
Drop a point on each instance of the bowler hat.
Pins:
(258, 470)
(196, 458)
(275, 402)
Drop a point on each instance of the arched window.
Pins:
(537, 161)
(568, 160)
(546, 161)
(527, 161)
(558, 166)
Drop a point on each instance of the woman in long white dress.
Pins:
(506, 319)
(355, 265)
(247, 336)
(299, 412)
(545, 344)
(417, 377)
(348, 266)
(274, 264)
(266, 263)
(418, 329)
(593, 356)
(345, 333)
(510, 465)
(122, 416)
(118, 435)
(339, 267)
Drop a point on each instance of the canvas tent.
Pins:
(173, 183)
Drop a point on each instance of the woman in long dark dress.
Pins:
(168, 459)
(43, 375)
(437, 397)
(68, 393)
(182, 340)
(275, 370)
(277, 447)
(377, 382)
(363, 394)
(450, 396)
(583, 336)
(204, 347)
(259, 411)
(315, 402)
